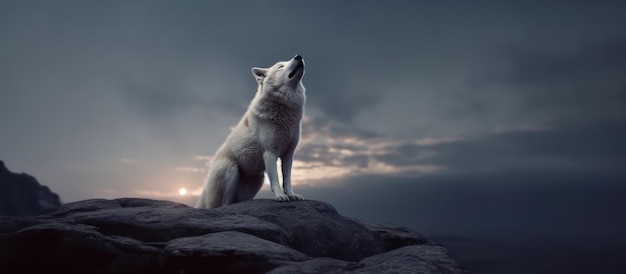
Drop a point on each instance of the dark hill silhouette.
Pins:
(22, 195)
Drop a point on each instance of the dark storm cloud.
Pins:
(594, 60)
(360, 161)
(322, 124)
(405, 154)
(226, 44)
(314, 153)
(167, 58)
(586, 84)
(579, 94)
(593, 148)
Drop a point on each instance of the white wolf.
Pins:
(269, 130)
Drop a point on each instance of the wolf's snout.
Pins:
(299, 66)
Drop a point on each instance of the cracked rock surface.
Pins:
(133, 235)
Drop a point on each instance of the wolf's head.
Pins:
(282, 75)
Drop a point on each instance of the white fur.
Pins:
(269, 130)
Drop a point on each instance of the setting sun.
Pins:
(182, 191)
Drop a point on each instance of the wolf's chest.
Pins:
(283, 134)
(281, 121)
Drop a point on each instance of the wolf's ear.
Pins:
(259, 74)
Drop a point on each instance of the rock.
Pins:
(315, 265)
(315, 228)
(22, 195)
(395, 236)
(147, 236)
(426, 259)
(227, 252)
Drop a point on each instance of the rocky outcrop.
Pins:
(147, 236)
(22, 195)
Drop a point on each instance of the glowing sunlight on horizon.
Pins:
(325, 157)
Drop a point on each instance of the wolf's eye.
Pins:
(281, 66)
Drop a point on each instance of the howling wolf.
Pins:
(270, 129)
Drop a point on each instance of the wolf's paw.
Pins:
(295, 197)
(281, 197)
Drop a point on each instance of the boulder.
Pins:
(133, 235)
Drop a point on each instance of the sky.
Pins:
(498, 120)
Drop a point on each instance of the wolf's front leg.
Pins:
(286, 164)
(272, 172)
